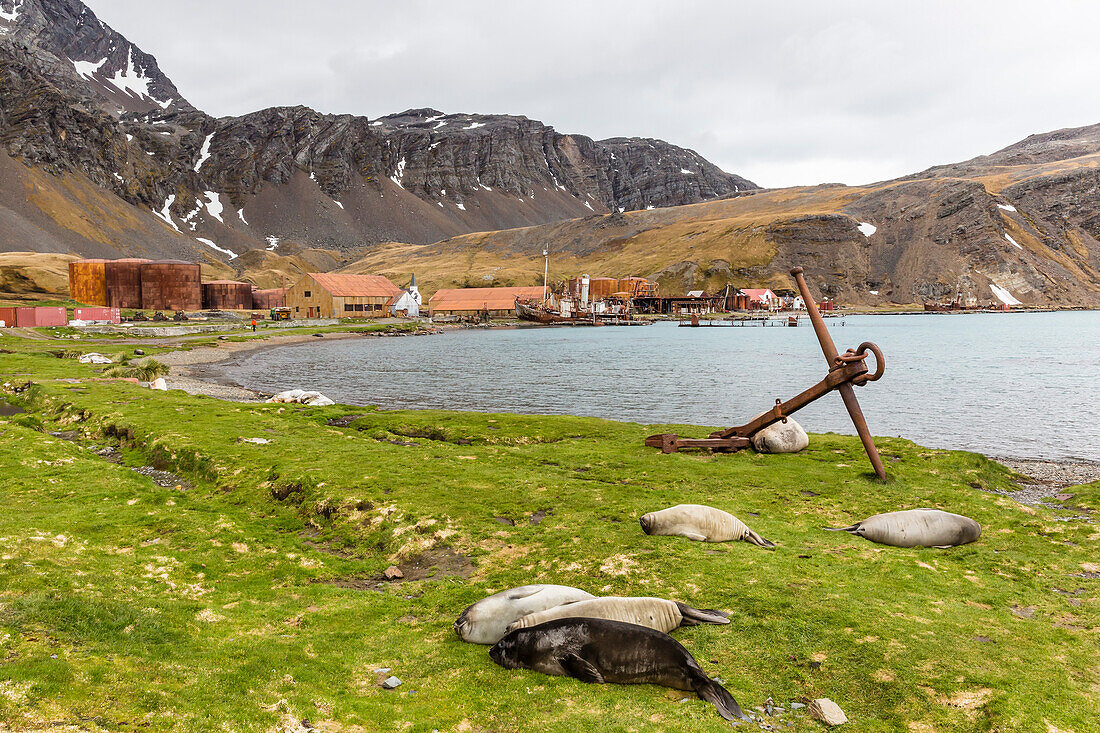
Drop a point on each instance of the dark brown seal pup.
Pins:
(598, 650)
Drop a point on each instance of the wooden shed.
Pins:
(327, 295)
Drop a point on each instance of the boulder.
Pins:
(828, 712)
(780, 437)
(159, 384)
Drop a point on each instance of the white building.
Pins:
(407, 303)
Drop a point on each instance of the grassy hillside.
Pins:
(246, 592)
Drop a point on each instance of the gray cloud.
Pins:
(785, 93)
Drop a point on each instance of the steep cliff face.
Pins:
(85, 57)
(78, 98)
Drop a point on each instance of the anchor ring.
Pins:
(861, 353)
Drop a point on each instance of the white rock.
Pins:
(781, 437)
(828, 712)
(391, 682)
(159, 384)
(94, 358)
(256, 441)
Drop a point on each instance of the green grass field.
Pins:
(248, 596)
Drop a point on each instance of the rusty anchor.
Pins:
(846, 371)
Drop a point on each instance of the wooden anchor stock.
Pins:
(845, 370)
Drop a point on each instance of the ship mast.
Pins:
(545, 271)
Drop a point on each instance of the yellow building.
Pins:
(327, 295)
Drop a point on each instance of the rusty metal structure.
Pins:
(124, 283)
(171, 285)
(846, 371)
(268, 299)
(227, 295)
(88, 282)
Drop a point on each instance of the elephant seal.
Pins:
(654, 613)
(780, 437)
(700, 523)
(486, 621)
(916, 528)
(598, 650)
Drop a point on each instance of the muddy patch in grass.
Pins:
(164, 479)
(434, 564)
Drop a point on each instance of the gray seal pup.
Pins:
(916, 528)
(486, 621)
(597, 650)
(781, 437)
(700, 523)
(654, 613)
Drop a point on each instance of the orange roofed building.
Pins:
(328, 295)
(497, 302)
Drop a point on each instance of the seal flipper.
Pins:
(718, 696)
(694, 536)
(581, 669)
(695, 616)
(756, 539)
(852, 530)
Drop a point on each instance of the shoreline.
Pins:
(204, 370)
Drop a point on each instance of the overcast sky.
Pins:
(781, 92)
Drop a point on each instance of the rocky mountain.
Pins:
(85, 114)
(1019, 225)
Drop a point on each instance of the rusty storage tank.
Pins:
(124, 283)
(171, 285)
(227, 295)
(88, 282)
(268, 299)
(600, 288)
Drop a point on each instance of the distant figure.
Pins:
(253, 325)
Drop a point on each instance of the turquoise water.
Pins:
(1013, 385)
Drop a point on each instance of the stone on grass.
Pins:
(393, 573)
(828, 712)
(94, 358)
(159, 384)
(781, 437)
(391, 682)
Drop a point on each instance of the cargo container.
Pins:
(124, 283)
(227, 295)
(111, 315)
(38, 317)
(88, 282)
(7, 317)
(171, 285)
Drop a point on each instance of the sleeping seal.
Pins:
(654, 613)
(701, 523)
(916, 528)
(486, 621)
(597, 650)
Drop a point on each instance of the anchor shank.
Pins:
(823, 337)
(848, 394)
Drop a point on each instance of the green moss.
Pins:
(251, 597)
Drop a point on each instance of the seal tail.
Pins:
(718, 696)
(695, 616)
(757, 540)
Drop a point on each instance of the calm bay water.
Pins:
(1011, 385)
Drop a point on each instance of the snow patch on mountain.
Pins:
(204, 154)
(208, 243)
(867, 229)
(240, 213)
(272, 243)
(1006, 207)
(166, 213)
(474, 126)
(214, 205)
(134, 82)
(1012, 241)
(12, 16)
(399, 173)
(1003, 295)
(86, 68)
